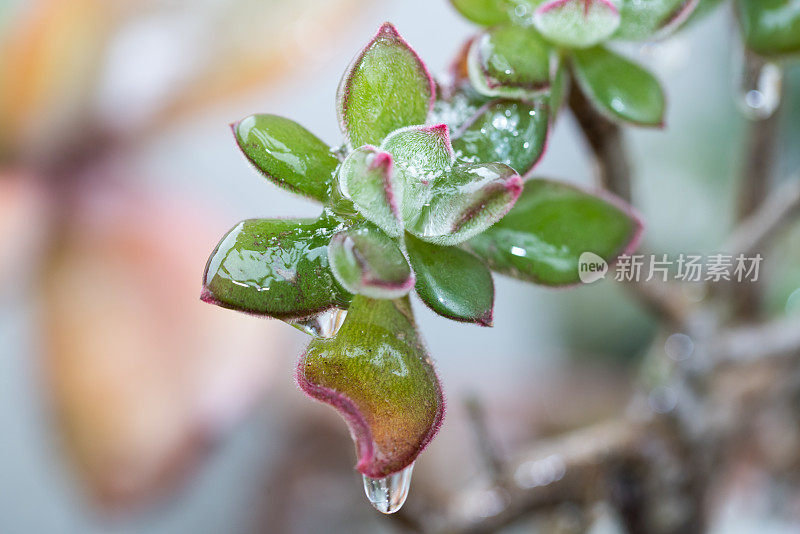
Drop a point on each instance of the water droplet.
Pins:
(540, 472)
(663, 399)
(759, 90)
(679, 347)
(500, 122)
(387, 495)
(324, 325)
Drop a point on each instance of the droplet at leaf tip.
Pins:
(392, 416)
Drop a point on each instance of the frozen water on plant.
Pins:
(324, 325)
(542, 472)
(759, 91)
(387, 495)
(679, 347)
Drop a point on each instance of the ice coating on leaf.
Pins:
(511, 61)
(275, 267)
(551, 225)
(577, 23)
(619, 88)
(445, 203)
(367, 262)
(387, 87)
(422, 154)
(464, 202)
(770, 27)
(287, 154)
(452, 282)
(367, 179)
(378, 375)
(513, 132)
(652, 19)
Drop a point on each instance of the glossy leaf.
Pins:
(551, 225)
(558, 90)
(620, 88)
(422, 155)
(464, 202)
(366, 178)
(492, 12)
(510, 61)
(652, 19)
(377, 374)
(387, 87)
(367, 262)
(275, 267)
(513, 132)
(770, 27)
(452, 282)
(577, 23)
(287, 154)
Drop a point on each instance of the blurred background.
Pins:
(127, 405)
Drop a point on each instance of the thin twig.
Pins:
(753, 343)
(576, 469)
(756, 232)
(757, 171)
(605, 141)
(488, 451)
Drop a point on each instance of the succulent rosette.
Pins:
(532, 49)
(417, 199)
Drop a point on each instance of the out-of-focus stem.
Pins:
(754, 189)
(605, 140)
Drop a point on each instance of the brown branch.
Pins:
(747, 344)
(604, 138)
(757, 171)
(486, 446)
(757, 231)
(579, 465)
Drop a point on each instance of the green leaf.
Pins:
(377, 374)
(577, 23)
(366, 178)
(287, 154)
(653, 19)
(387, 87)
(619, 88)
(558, 90)
(513, 132)
(452, 282)
(275, 267)
(443, 203)
(551, 225)
(492, 12)
(421, 155)
(464, 202)
(770, 27)
(511, 61)
(368, 262)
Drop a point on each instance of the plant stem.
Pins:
(755, 186)
(605, 140)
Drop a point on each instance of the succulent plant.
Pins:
(426, 194)
(532, 49)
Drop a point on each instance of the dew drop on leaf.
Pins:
(759, 91)
(324, 325)
(388, 494)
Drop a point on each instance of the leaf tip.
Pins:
(207, 296)
(387, 30)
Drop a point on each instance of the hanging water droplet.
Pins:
(387, 495)
(324, 325)
(759, 91)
